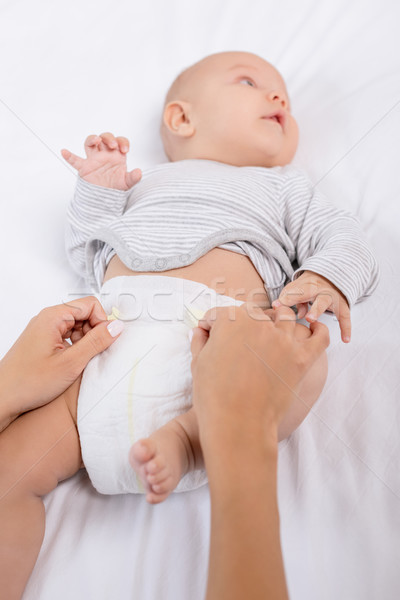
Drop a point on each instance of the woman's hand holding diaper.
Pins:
(105, 162)
(248, 364)
(324, 295)
(42, 364)
(251, 353)
(245, 370)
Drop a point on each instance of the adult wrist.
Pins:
(252, 471)
(231, 443)
(217, 419)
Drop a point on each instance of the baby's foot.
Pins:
(161, 460)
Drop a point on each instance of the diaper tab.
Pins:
(115, 314)
(192, 315)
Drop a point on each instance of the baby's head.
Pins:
(230, 107)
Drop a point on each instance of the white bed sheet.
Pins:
(70, 69)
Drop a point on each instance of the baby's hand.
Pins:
(105, 164)
(311, 287)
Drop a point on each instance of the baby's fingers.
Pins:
(72, 159)
(92, 141)
(343, 316)
(123, 143)
(321, 303)
(109, 140)
(294, 294)
(302, 310)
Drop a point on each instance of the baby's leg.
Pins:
(173, 450)
(37, 450)
(162, 459)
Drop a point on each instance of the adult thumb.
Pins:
(199, 339)
(92, 343)
(319, 340)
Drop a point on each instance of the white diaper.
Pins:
(144, 379)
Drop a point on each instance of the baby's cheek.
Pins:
(294, 133)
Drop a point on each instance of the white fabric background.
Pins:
(70, 69)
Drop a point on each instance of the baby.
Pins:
(223, 219)
(222, 223)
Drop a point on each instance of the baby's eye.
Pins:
(247, 81)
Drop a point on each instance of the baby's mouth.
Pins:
(278, 117)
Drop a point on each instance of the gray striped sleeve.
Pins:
(92, 207)
(329, 241)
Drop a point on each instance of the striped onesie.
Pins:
(181, 210)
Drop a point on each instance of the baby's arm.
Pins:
(311, 287)
(329, 241)
(336, 265)
(101, 192)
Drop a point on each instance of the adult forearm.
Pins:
(245, 551)
(8, 410)
(6, 415)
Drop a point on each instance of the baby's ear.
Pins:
(177, 118)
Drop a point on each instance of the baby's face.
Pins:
(240, 111)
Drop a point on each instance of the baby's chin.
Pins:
(280, 161)
(257, 160)
(240, 156)
(282, 158)
(261, 162)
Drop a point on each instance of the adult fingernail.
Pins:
(276, 304)
(190, 335)
(346, 339)
(115, 327)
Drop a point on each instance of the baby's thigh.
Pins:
(41, 447)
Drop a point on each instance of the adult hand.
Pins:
(245, 369)
(42, 364)
(250, 365)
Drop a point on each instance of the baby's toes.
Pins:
(158, 477)
(153, 498)
(164, 486)
(156, 465)
(142, 452)
(160, 491)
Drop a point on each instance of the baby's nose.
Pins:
(277, 97)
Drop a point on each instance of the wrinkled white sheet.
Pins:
(70, 69)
